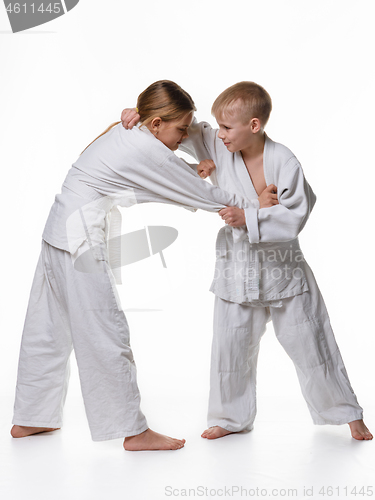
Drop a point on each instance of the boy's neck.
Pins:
(255, 149)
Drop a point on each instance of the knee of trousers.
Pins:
(310, 343)
(233, 349)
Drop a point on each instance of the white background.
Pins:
(61, 85)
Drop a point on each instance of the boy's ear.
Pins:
(255, 125)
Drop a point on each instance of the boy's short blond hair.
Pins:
(247, 100)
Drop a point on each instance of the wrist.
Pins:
(256, 203)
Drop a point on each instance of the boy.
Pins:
(260, 271)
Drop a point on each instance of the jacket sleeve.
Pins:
(176, 182)
(282, 222)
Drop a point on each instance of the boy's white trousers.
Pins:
(303, 328)
(69, 309)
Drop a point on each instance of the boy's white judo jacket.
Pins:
(261, 262)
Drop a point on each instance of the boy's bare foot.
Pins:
(20, 431)
(359, 430)
(215, 432)
(150, 440)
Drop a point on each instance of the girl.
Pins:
(81, 310)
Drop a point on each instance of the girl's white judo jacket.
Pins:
(262, 262)
(124, 167)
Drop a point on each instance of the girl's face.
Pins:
(171, 134)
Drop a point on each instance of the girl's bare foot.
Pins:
(215, 432)
(150, 440)
(20, 431)
(359, 430)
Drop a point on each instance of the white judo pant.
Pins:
(69, 309)
(303, 328)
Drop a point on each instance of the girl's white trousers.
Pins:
(69, 309)
(303, 328)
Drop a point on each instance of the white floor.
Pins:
(284, 456)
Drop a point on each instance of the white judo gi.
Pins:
(81, 310)
(261, 274)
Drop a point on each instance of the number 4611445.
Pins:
(17, 8)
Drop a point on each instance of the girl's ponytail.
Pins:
(105, 131)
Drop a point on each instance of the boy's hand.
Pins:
(129, 118)
(233, 216)
(269, 197)
(205, 168)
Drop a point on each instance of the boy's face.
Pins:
(235, 135)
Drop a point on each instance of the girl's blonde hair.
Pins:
(246, 100)
(163, 99)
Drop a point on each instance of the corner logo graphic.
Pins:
(134, 246)
(27, 14)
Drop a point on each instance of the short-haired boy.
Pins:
(261, 273)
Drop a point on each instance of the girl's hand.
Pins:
(233, 216)
(129, 118)
(269, 197)
(205, 168)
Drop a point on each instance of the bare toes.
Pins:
(180, 444)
